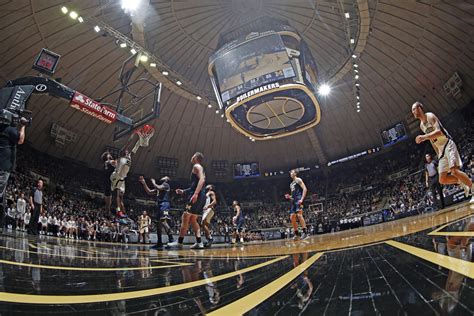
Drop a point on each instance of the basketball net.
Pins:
(144, 134)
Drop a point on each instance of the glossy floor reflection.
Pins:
(411, 266)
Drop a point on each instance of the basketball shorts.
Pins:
(144, 230)
(207, 215)
(162, 211)
(450, 159)
(117, 183)
(295, 208)
(197, 207)
(240, 224)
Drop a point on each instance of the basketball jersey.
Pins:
(296, 190)
(208, 201)
(437, 143)
(241, 212)
(143, 221)
(194, 183)
(123, 167)
(163, 195)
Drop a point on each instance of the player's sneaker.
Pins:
(197, 246)
(296, 237)
(208, 243)
(174, 245)
(466, 188)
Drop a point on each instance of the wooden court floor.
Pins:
(419, 265)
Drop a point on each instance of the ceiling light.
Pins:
(228, 121)
(153, 65)
(133, 51)
(358, 103)
(165, 73)
(179, 83)
(73, 15)
(80, 19)
(356, 77)
(198, 97)
(355, 65)
(324, 89)
(217, 111)
(357, 84)
(97, 28)
(144, 58)
(354, 56)
(253, 139)
(358, 110)
(64, 10)
(356, 71)
(357, 97)
(130, 5)
(352, 41)
(347, 15)
(209, 105)
(123, 45)
(222, 115)
(358, 106)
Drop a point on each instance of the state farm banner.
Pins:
(93, 108)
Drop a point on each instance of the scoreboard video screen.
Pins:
(393, 135)
(253, 64)
(246, 170)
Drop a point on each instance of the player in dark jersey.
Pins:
(109, 167)
(163, 205)
(297, 196)
(196, 199)
(238, 221)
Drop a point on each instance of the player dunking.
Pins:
(118, 177)
(208, 213)
(196, 199)
(297, 196)
(109, 166)
(450, 163)
(163, 207)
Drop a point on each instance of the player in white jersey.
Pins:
(450, 163)
(208, 213)
(122, 167)
(20, 212)
(26, 220)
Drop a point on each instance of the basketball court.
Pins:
(388, 268)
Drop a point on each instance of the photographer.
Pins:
(9, 137)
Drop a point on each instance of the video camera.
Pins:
(13, 105)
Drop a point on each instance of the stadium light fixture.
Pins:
(97, 28)
(198, 97)
(153, 65)
(165, 73)
(80, 19)
(64, 10)
(222, 115)
(347, 15)
(356, 65)
(123, 45)
(179, 83)
(73, 15)
(354, 56)
(356, 77)
(324, 90)
(217, 111)
(352, 41)
(130, 5)
(209, 105)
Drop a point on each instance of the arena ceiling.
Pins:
(412, 49)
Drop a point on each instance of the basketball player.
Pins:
(122, 167)
(208, 213)
(449, 164)
(21, 210)
(238, 221)
(145, 222)
(297, 196)
(109, 167)
(163, 207)
(196, 199)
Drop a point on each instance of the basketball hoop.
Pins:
(145, 133)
